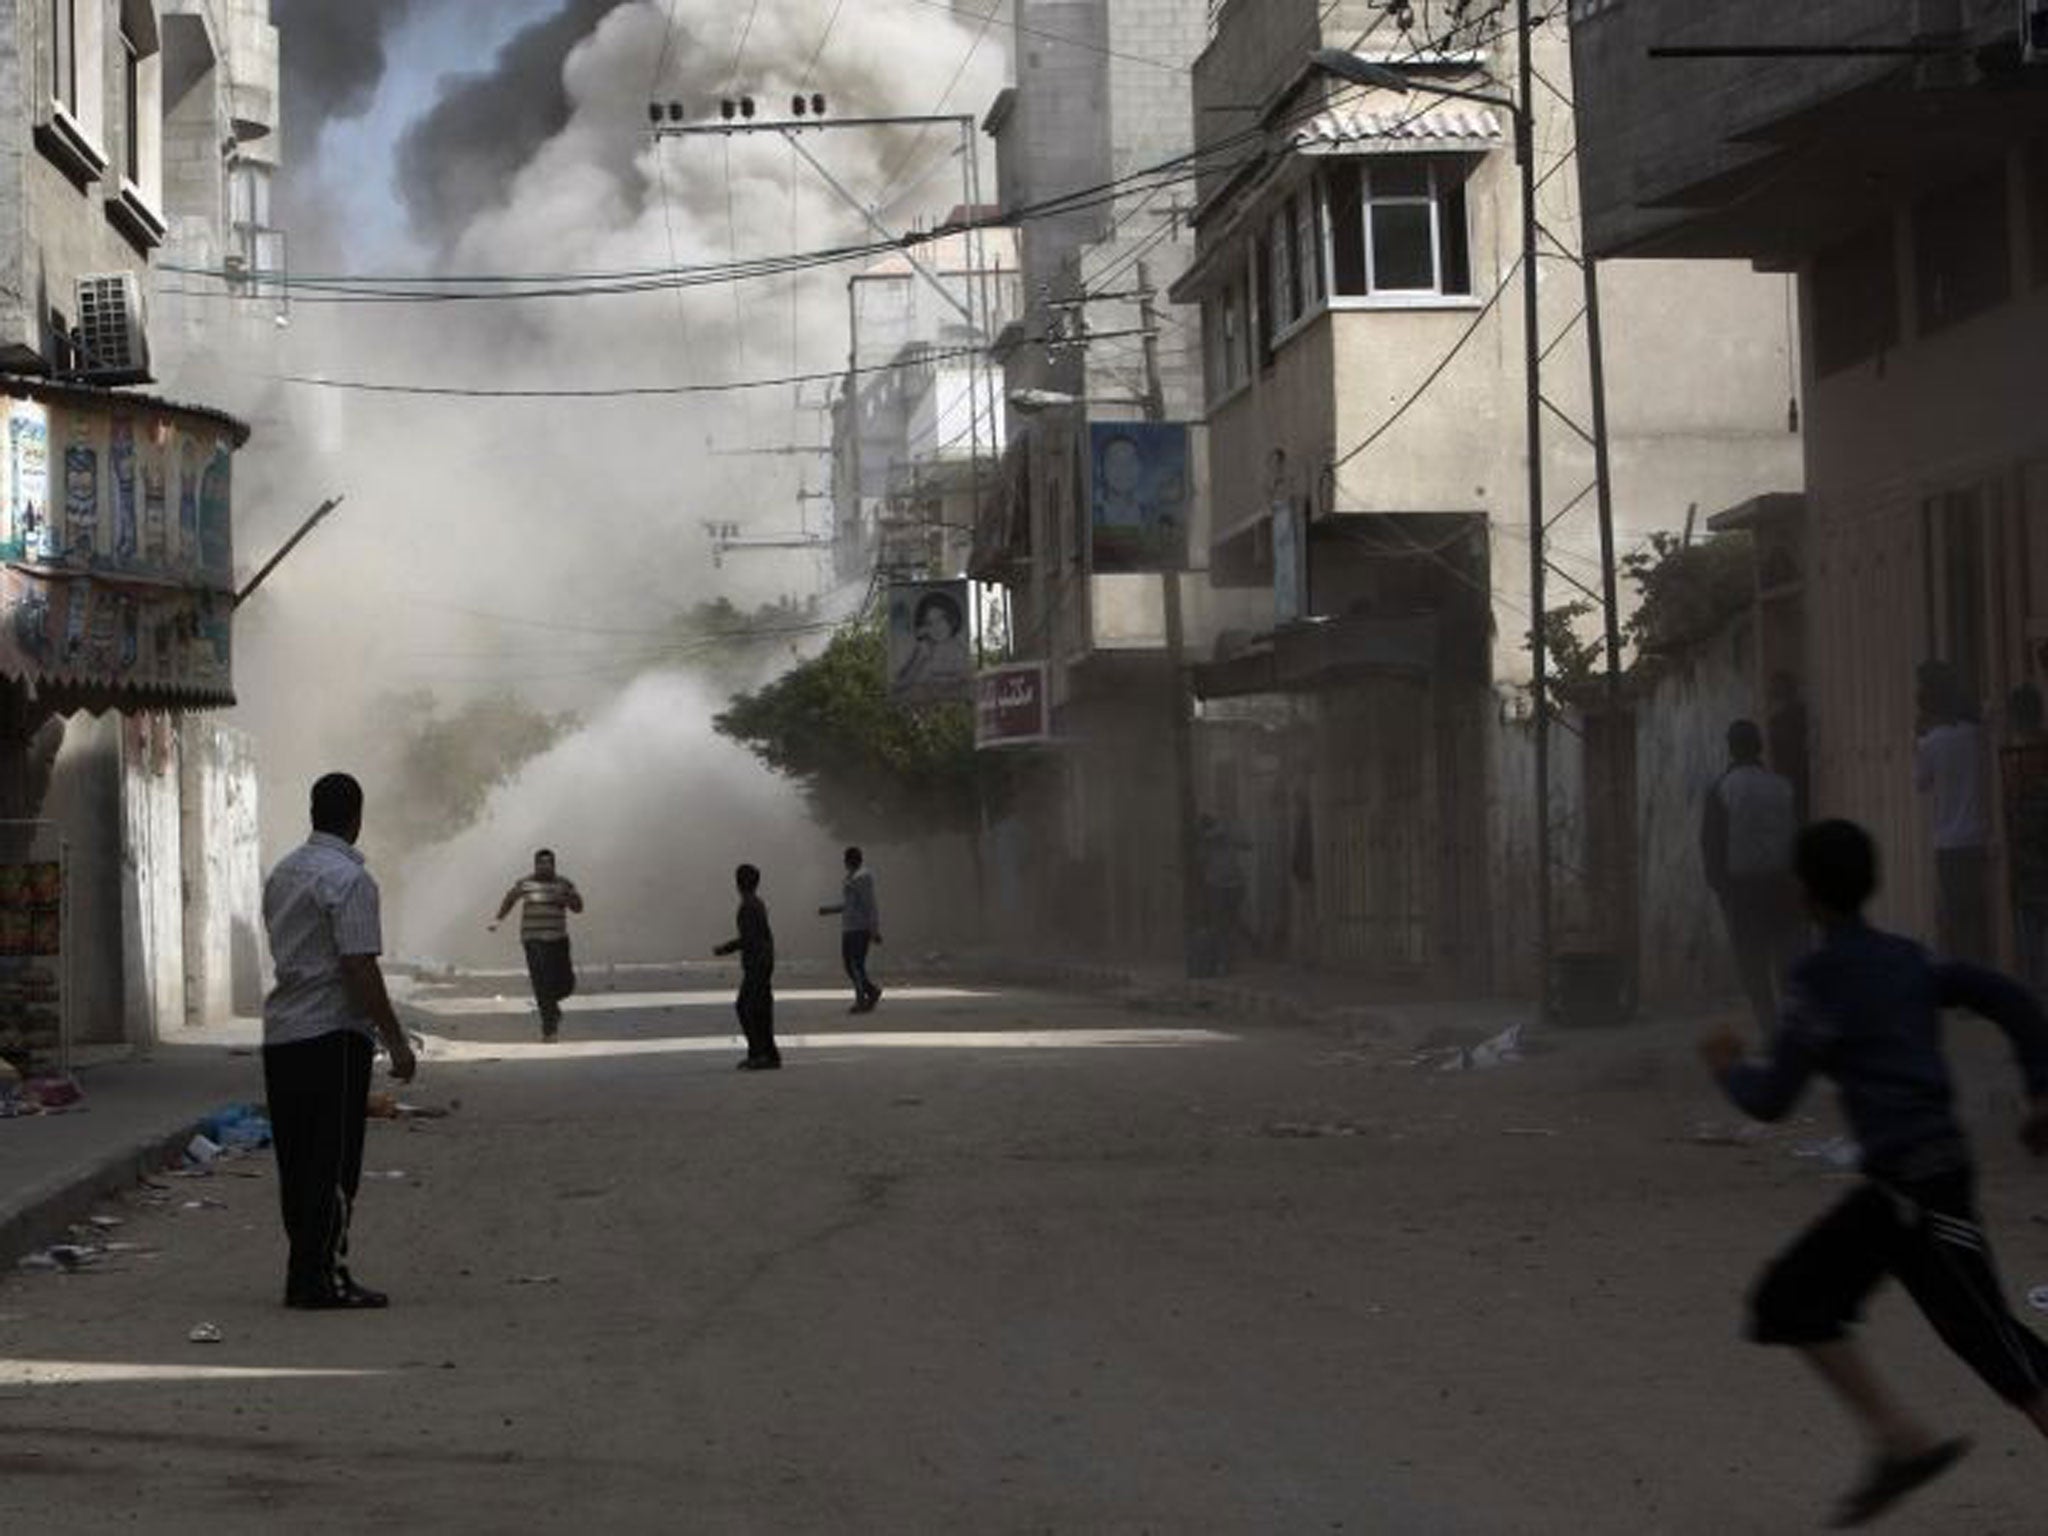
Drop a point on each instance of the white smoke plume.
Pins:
(539, 546)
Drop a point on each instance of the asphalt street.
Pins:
(988, 1261)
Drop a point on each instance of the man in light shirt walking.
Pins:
(320, 1022)
(1746, 835)
(1952, 767)
(860, 926)
(544, 932)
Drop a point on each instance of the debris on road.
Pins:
(2037, 1298)
(536, 1279)
(202, 1151)
(1526, 1130)
(1296, 1130)
(388, 1173)
(1495, 1051)
(204, 1333)
(65, 1257)
(1838, 1152)
(104, 1223)
(1741, 1133)
(238, 1127)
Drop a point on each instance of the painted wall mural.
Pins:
(116, 547)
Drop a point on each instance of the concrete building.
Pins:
(916, 418)
(124, 816)
(1908, 199)
(1101, 94)
(1359, 283)
(222, 155)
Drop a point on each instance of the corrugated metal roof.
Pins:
(1361, 132)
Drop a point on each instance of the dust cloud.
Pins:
(543, 549)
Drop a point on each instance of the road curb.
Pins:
(45, 1214)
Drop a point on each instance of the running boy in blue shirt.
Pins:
(1865, 1010)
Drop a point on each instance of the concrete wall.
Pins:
(1681, 749)
(1680, 720)
(84, 799)
(226, 961)
(151, 879)
(52, 231)
(1650, 126)
(1702, 366)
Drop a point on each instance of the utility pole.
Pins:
(1532, 339)
(1619, 877)
(1182, 726)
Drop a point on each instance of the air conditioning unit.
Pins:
(111, 344)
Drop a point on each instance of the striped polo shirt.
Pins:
(546, 911)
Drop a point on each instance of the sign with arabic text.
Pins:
(1012, 706)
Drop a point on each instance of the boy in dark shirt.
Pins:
(1865, 1010)
(756, 948)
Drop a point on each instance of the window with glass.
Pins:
(249, 195)
(1282, 293)
(1399, 227)
(1308, 243)
(63, 22)
(131, 105)
(1225, 313)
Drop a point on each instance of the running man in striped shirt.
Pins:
(544, 930)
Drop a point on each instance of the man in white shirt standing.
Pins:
(1951, 766)
(860, 926)
(1746, 834)
(320, 1025)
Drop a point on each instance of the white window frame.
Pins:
(72, 133)
(1399, 298)
(1429, 200)
(1228, 314)
(139, 49)
(1308, 243)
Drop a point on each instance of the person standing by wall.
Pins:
(320, 1022)
(1950, 768)
(544, 932)
(860, 927)
(755, 946)
(1746, 834)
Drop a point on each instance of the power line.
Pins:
(631, 391)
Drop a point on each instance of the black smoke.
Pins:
(459, 160)
(331, 61)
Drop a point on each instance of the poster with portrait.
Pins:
(1140, 495)
(930, 642)
(25, 510)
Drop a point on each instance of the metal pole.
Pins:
(1532, 342)
(1183, 737)
(1620, 873)
(290, 544)
(977, 360)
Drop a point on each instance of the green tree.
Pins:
(867, 765)
(449, 764)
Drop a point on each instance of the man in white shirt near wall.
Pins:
(320, 1025)
(1746, 833)
(1952, 767)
